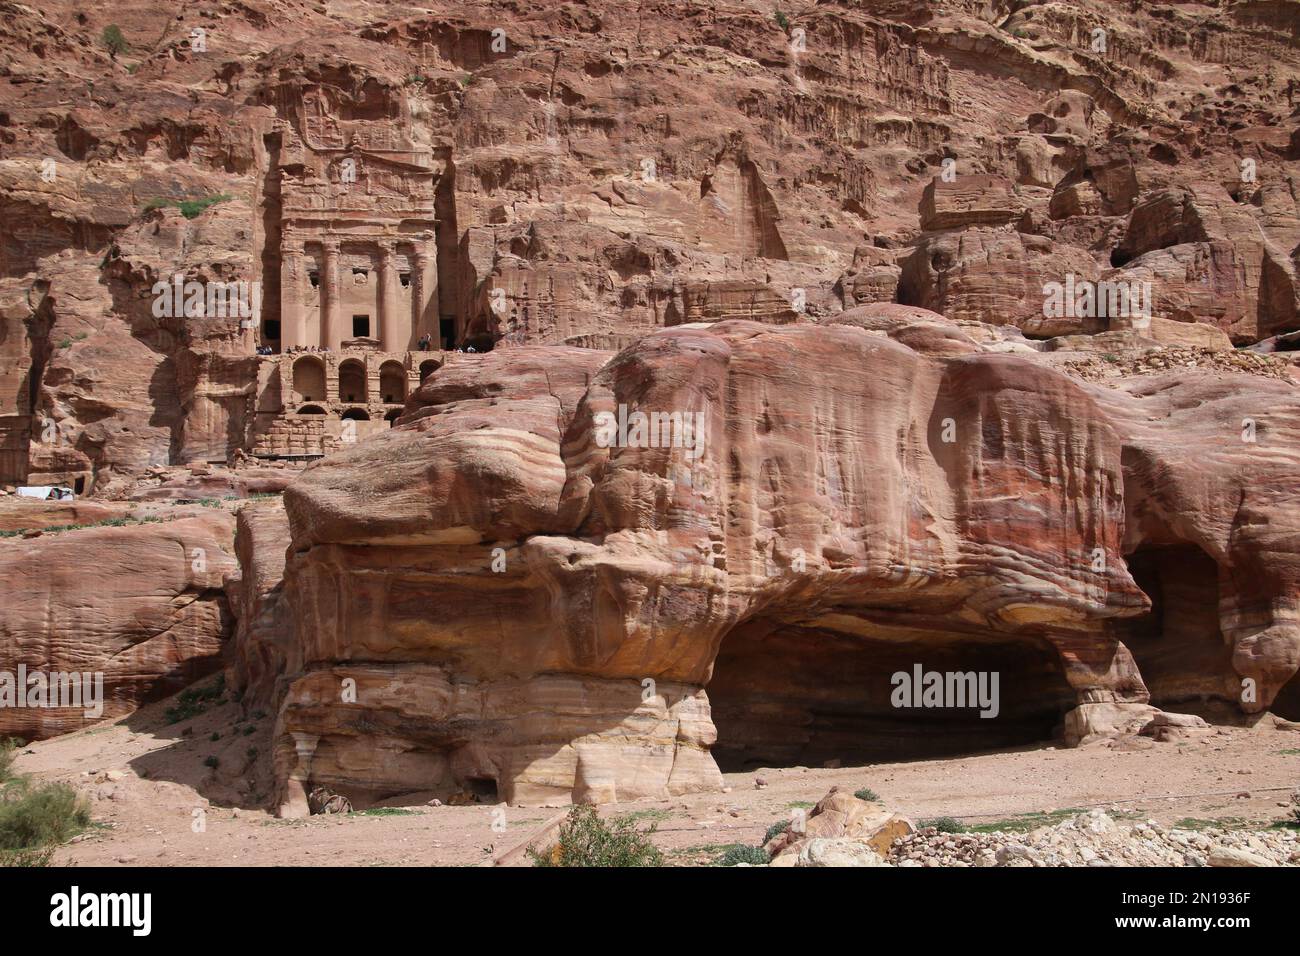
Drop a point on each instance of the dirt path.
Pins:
(150, 789)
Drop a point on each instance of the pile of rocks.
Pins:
(1108, 368)
(841, 830)
(1093, 838)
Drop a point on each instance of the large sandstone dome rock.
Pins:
(494, 592)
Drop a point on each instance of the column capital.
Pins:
(331, 246)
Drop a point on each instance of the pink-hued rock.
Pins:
(879, 504)
(141, 605)
(996, 276)
(971, 200)
(831, 234)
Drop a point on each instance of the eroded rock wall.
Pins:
(879, 502)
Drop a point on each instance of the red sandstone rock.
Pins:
(597, 179)
(142, 605)
(882, 505)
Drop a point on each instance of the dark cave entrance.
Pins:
(484, 789)
(1287, 702)
(793, 696)
(1178, 646)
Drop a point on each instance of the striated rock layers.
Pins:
(705, 211)
(580, 174)
(505, 595)
(141, 604)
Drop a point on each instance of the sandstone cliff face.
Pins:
(821, 244)
(605, 175)
(140, 604)
(879, 504)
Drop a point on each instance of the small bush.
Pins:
(739, 853)
(782, 20)
(33, 816)
(943, 825)
(866, 794)
(194, 700)
(211, 761)
(112, 39)
(37, 857)
(7, 750)
(775, 830)
(192, 207)
(189, 207)
(586, 840)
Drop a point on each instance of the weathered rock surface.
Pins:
(841, 830)
(700, 210)
(141, 604)
(881, 505)
(607, 175)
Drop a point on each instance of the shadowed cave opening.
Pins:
(1178, 646)
(1287, 702)
(484, 789)
(785, 696)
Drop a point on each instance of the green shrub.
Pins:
(194, 700)
(866, 794)
(943, 825)
(782, 20)
(112, 39)
(739, 853)
(37, 857)
(189, 207)
(33, 816)
(587, 840)
(192, 207)
(212, 761)
(775, 830)
(7, 750)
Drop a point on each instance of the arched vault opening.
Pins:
(785, 695)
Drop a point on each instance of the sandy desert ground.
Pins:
(148, 782)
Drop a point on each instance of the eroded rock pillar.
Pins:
(394, 321)
(293, 796)
(331, 329)
(293, 315)
(424, 287)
